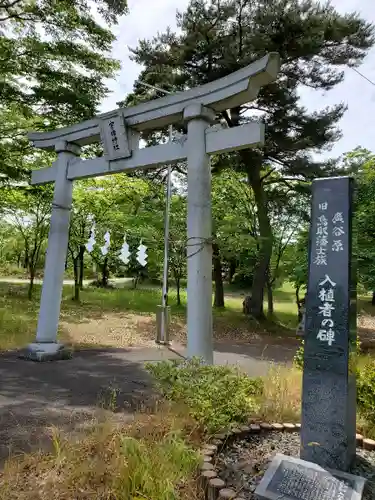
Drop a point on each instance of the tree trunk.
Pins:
(252, 161)
(232, 270)
(297, 295)
(105, 273)
(76, 292)
(76, 280)
(95, 271)
(373, 299)
(135, 281)
(298, 300)
(26, 259)
(31, 283)
(177, 279)
(269, 297)
(218, 277)
(265, 244)
(81, 258)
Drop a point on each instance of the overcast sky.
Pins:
(358, 123)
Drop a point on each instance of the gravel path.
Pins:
(242, 465)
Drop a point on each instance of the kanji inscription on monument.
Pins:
(328, 396)
(290, 478)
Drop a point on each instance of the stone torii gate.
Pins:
(119, 132)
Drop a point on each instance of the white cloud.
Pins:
(145, 21)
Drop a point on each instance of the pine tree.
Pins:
(218, 37)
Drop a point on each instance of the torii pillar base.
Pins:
(46, 351)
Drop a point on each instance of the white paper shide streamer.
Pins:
(142, 255)
(105, 247)
(91, 241)
(125, 253)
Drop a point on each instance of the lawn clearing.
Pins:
(125, 317)
(119, 317)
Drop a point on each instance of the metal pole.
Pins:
(166, 231)
(164, 299)
(164, 303)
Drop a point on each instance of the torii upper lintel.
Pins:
(231, 91)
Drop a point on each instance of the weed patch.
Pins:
(216, 396)
(154, 457)
(280, 400)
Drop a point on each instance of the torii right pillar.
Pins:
(199, 234)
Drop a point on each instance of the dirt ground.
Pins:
(124, 330)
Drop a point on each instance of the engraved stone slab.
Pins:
(328, 395)
(290, 478)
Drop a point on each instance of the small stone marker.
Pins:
(329, 398)
(289, 478)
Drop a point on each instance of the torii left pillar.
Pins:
(46, 346)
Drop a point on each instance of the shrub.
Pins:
(216, 396)
(366, 389)
(298, 357)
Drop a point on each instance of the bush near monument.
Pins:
(216, 396)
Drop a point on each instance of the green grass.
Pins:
(18, 315)
(154, 457)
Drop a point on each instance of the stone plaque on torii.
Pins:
(119, 132)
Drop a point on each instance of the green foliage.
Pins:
(298, 357)
(366, 389)
(55, 57)
(61, 51)
(233, 206)
(216, 396)
(177, 241)
(155, 468)
(362, 164)
(296, 260)
(27, 212)
(122, 205)
(17, 155)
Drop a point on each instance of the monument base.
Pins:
(46, 351)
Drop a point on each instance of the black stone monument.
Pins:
(328, 426)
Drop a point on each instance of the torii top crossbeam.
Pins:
(233, 90)
(119, 132)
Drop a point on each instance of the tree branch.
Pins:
(267, 174)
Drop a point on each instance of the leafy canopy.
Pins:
(54, 55)
(54, 59)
